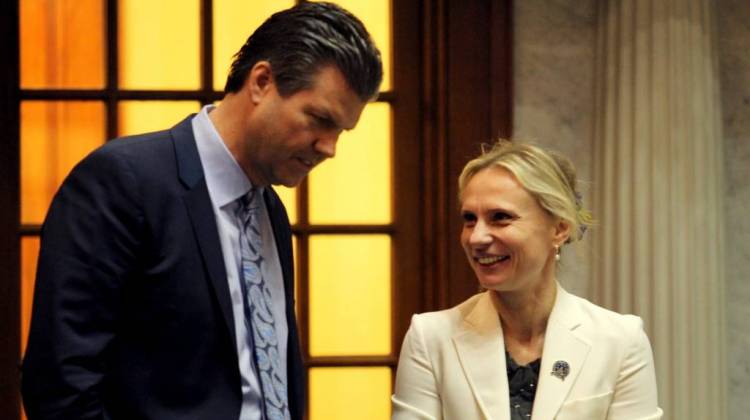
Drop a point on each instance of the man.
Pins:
(165, 284)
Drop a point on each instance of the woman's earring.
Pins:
(557, 252)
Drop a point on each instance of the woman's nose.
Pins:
(480, 235)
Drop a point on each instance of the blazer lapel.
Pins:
(202, 218)
(481, 353)
(560, 344)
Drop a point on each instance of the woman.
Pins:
(524, 348)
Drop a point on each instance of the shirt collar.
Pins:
(225, 180)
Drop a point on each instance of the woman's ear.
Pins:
(562, 231)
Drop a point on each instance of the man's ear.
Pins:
(259, 81)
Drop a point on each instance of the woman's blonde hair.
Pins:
(548, 176)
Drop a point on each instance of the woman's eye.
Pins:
(469, 218)
(500, 216)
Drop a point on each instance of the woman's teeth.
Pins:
(492, 260)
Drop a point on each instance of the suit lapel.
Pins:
(560, 344)
(282, 235)
(481, 353)
(199, 208)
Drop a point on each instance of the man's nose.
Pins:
(326, 144)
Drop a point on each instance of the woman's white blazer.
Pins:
(452, 365)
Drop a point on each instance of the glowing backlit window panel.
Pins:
(159, 44)
(376, 15)
(355, 186)
(62, 44)
(289, 198)
(29, 254)
(55, 135)
(350, 392)
(350, 295)
(138, 117)
(233, 22)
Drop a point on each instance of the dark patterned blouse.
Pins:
(522, 382)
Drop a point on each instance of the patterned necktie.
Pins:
(258, 313)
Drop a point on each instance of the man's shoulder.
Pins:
(146, 163)
(139, 145)
(145, 147)
(146, 153)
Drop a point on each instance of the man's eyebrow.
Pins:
(328, 117)
(321, 113)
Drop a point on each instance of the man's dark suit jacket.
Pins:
(132, 317)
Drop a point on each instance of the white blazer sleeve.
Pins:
(415, 395)
(635, 391)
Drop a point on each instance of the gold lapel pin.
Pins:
(560, 369)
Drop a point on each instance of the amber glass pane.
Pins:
(350, 392)
(289, 198)
(159, 44)
(54, 137)
(29, 254)
(350, 295)
(62, 43)
(355, 187)
(376, 15)
(234, 21)
(138, 117)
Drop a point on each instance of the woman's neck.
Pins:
(524, 316)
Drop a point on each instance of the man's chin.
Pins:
(289, 177)
(287, 185)
(289, 182)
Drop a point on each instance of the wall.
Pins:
(733, 19)
(553, 105)
(553, 54)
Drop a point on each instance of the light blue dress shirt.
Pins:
(226, 183)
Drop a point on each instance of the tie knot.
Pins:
(249, 203)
